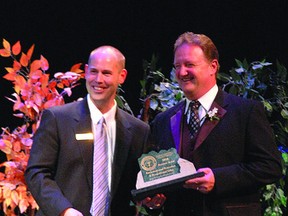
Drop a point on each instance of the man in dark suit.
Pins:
(60, 168)
(232, 143)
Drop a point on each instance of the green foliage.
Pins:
(157, 92)
(121, 102)
(259, 81)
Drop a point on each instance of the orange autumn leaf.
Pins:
(10, 70)
(44, 80)
(16, 48)
(14, 197)
(10, 75)
(35, 65)
(26, 91)
(52, 84)
(19, 83)
(2, 176)
(6, 45)
(23, 205)
(44, 63)
(60, 85)
(37, 74)
(16, 66)
(76, 68)
(5, 146)
(37, 99)
(24, 60)
(30, 52)
(7, 191)
(4, 53)
(65, 82)
(17, 146)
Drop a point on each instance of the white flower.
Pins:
(212, 114)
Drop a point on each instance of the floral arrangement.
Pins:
(34, 92)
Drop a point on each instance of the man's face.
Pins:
(194, 73)
(103, 75)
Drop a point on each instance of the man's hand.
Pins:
(71, 212)
(203, 184)
(155, 202)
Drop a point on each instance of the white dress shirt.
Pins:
(109, 117)
(206, 101)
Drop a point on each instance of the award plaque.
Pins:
(162, 172)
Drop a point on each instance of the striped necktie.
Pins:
(100, 201)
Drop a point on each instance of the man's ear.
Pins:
(86, 69)
(214, 66)
(122, 76)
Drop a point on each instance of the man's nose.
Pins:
(99, 77)
(182, 70)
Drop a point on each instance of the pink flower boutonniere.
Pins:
(212, 114)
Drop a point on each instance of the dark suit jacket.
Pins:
(239, 148)
(59, 172)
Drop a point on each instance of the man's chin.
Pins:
(188, 88)
(97, 98)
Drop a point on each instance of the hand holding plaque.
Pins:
(161, 172)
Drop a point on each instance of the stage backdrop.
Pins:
(66, 31)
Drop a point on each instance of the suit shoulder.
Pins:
(68, 109)
(131, 119)
(170, 112)
(240, 101)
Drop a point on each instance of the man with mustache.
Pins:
(226, 137)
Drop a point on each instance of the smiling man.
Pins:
(104, 72)
(225, 136)
(65, 171)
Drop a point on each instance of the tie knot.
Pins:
(101, 123)
(100, 126)
(194, 104)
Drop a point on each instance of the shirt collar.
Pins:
(96, 114)
(206, 100)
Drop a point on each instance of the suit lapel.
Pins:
(122, 145)
(175, 124)
(83, 125)
(206, 128)
(209, 125)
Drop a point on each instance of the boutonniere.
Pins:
(84, 136)
(212, 114)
